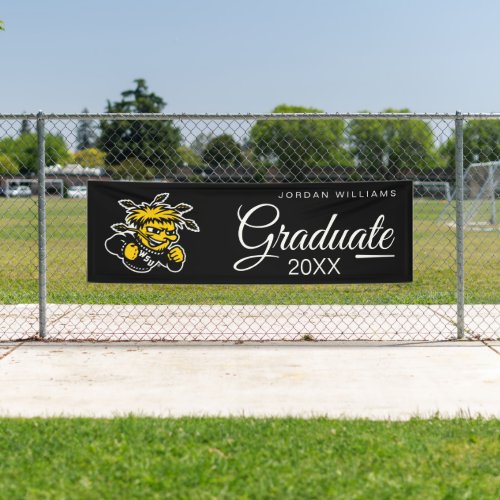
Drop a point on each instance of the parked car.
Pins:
(77, 192)
(19, 191)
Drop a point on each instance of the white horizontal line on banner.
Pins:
(373, 256)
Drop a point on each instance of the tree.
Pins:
(153, 143)
(91, 157)
(7, 165)
(369, 143)
(188, 157)
(200, 142)
(23, 150)
(25, 127)
(131, 169)
(2, 26)
(223, 151)
(481, 143)
(393, 146)
(86, 134)
(292, 145)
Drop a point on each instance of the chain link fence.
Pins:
(46, 161)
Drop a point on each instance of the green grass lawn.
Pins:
(434, 267)
(249, 458)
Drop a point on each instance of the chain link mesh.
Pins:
(245, 149)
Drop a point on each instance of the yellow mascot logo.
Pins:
(150, 234)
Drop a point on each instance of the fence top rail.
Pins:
(248, 116)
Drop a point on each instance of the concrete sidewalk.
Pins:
(394, 381)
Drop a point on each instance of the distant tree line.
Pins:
(292, 148)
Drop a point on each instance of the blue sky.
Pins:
(249, 56)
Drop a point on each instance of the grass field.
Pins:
(434, 267)
(249, 458)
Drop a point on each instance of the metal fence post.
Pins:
(459, 199)
(493, 202)
(42, 228)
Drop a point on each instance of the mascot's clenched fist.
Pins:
(131, 251)
(176, 254)
(149, 237)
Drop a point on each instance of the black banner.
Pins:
(151, 232)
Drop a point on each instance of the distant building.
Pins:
(76, 175)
